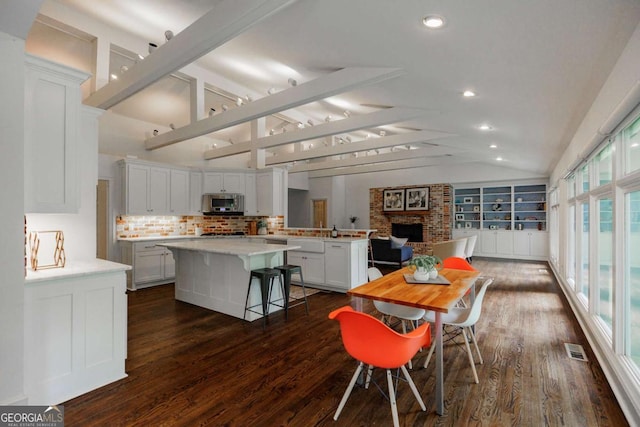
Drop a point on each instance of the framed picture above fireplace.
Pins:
(417, 199)
(393, 200)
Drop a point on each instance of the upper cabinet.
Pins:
(195, 193)
(52, 132)
(270, 192)
(224, 182)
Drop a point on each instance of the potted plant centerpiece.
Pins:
(262, 226)
(353, 220)
(426, 266)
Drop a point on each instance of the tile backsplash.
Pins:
(133, 226)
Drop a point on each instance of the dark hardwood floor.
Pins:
(190, 366)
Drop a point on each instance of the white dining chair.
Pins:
(463, 318)
(400, 312)
(471, 244)
(450, 248)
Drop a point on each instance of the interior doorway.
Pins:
(102, 219)
(319, 212)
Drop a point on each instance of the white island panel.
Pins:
(214, 274)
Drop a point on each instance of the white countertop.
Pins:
(284, 237)
(71, 269)
(240, 247)
(278, 237)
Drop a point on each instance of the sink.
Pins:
(307, 245)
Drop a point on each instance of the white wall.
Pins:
(12, 220)
(108, 170)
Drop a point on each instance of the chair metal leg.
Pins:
(473, 365)
(413, 388)
(347, 392)
(392, 399)
(368, 378)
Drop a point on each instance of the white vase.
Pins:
(433, 273)
(353, 225)
(262, 230)
(421, 274)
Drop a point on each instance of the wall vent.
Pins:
(575, 352)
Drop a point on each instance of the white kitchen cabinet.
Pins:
(224, 182)
(312, 265)
(179, 200)
(151, 264)
(270, 192)
(530, 244)
(52, 129)
(345, 264)
(75, 333)
(250, 195)
(496, 243)
(195, 193)
(146, 189)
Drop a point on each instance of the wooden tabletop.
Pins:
(393, 288)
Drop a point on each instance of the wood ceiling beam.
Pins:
(363, 145)
(337, 82)
(222, 23)
(388, 166)
(378, 118)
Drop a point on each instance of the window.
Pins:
(632, 146)
(604, 165)
(571, 247)
(632, 275)
(571, 187)
(604, 307)
(554, 226)
(583, 279)
(584, 179)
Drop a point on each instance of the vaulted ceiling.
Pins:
(374, 88)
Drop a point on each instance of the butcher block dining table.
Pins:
(439, 298)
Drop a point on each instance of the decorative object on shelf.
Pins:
(467, 225)
(459, 217)
(393, 200)
(519, 200)
(496, 207)
(262, 226)
(467, 200)
(426, 267)
(417, 199)
(476, 208)
(493, 227)
(53, 238)
(353, 220)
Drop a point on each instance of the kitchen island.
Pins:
(214, 273)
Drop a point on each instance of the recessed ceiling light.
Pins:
(433, 21)
(485, 127)
(468, 94)
(499, 159)
(493, 146)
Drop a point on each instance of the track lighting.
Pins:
(172, 126)
(155, 132)
(383, 133)
(124, 69)
(271, 132)
(300, 125)
(168, 35)
(114, 76)
(347, 113)
(292, 82)
(310, 122)
(239, 101)
(328, 118)
(348, 139)
(211, 111)
(225, 107)
(271, 90)
(152, 47)
(140, 57)
(230, 141)
(248, 98)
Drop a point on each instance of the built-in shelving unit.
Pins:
(508, 207)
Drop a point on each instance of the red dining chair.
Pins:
(371, 342)
(457, 263)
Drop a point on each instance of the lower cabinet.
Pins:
(530, 244)
(342, 266)
(151, 264)
(516, 244)
(75, 334)
(312, 265)
(496, 243)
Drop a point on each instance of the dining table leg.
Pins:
(439, 367)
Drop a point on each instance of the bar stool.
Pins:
(266, 276)
(287, 270)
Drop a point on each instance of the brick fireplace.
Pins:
(436, 222)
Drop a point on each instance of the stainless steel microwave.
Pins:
(223, 204)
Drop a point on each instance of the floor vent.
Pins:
(575, 352)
